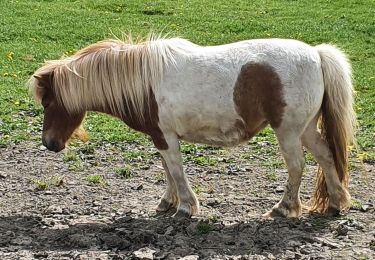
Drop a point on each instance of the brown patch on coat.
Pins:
(147, 124)
(150, 123)
(258, 98)
(58, 124)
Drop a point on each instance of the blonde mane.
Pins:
(107, 73)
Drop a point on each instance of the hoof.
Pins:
(284, 210)
(182, 214)
(275, 213)
(164, 206)
(186, 211)
(332, 212)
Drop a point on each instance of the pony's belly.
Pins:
(215, 136)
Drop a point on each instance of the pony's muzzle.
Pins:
(53, 145)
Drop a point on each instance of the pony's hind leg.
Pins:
(187, 202)
(338, 195)
(291, 148)
(169, 199)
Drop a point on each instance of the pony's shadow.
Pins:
(163, 233)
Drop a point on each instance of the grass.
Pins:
(203, 228)
(41, 184)
(32, 31)
(44, 184)
(95, 180)
(125, 172)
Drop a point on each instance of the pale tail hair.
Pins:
(106, 73)
(338, 121)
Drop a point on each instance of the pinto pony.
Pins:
(172, 89)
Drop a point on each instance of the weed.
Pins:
(70, 156)
(41, 184)
(198, 189)
(319, 223)
(95, 179)
(124, 172)
(135, 156)
(356, 204)
(160, 176)
(56, 181)
(87, 149)
(203, 228)
(271, 175)
(213, 218)
(76, 166)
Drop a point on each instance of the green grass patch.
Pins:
(124, 172)
(203, 228)
(198, 189)
(57, 181)
(41, 184)
(95, 180)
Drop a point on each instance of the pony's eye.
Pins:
(45, 103)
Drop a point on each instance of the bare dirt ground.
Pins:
(115, 219)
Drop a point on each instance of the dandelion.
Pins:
(361, 156)
(10, 56)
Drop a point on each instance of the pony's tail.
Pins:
(338, 122)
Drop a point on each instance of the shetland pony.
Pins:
(172, 90)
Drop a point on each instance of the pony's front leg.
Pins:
(188, 204)
(169, 199)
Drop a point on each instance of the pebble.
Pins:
(53, 209)
(212, 202)
(145, 253)
(279, 189)
(366, 207)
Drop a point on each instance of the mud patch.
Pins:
(115, 219)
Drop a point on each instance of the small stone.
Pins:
(53, 209)
(190, 257)
(140, 187)
(279, 189)
(144, 254)
(341, 230)
(41, 255)
(212, 202)
(60, 226)
(3, 175)
(96, 203)
(48, 192)
(42, 148)
(294, 243)
(366, 207)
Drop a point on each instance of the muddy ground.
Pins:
(49, 210)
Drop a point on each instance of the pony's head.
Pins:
(58, 124)
(112, 76)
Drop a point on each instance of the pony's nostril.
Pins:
(53, 145)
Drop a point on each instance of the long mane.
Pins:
(107, 73)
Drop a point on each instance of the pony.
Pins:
(172, 89)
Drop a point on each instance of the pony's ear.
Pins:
(44, 79)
